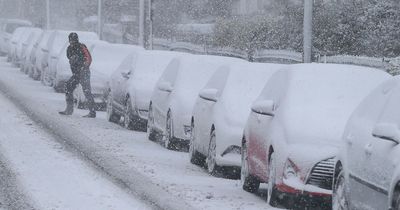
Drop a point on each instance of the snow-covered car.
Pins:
(367, 173)
(63, 69)
(30, 34)
(295, 129)
(39, 55)
(15, 42)
(105, 60)
(133, 83)
(27, 48)
(172, 101)
(221, 111)
(8, 28)
(57, 42)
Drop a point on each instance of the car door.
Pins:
(382, 157)
(205, 109)
(121, 78)
(161, 97)
(360, 147)
(259, 124)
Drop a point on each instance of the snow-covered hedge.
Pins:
(279, 56)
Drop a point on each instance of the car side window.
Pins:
(391, 112)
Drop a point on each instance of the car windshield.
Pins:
(326, 98)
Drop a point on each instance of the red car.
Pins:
(294, 131)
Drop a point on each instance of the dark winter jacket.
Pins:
(76, 56)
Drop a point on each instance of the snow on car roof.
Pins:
(104, 53)
(189, 73)
(244, 83)
(194, 71)
(317, 99)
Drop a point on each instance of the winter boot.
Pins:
(69, 110)
(92, 114)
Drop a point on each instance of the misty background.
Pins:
(341, 27)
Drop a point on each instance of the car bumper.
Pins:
(291, 198)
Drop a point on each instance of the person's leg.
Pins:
(70, 86)
(87, 90)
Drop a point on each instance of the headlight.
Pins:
(187, 129)
(290, 170)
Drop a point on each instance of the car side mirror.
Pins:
(210, 94)
(387, 131)
(125, 75)
(264, 107)
(165, 86)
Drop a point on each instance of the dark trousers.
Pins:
(83, 78)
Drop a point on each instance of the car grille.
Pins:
(322, 174)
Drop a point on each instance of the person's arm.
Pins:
(69, 54)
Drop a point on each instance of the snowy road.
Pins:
(165, 178)
(48, 175)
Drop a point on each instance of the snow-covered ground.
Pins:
(51, 176)
(162, 177)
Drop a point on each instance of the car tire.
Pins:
(151, 133)
(169, 136)
(272, 197)
(396, 198)
(212, 165)
(111, 115)
(194, 155)
(249, 182)
(339, 195)
(128, 122)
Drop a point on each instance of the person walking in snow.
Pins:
(80, 60)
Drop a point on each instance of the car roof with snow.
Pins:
(194, 71)
(243, 85)
(61, 38)
(10, 25)
(314, 101)
(104, 53)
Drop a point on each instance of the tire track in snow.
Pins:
(139, 184)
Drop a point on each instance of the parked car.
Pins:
(63, 69)
(58, 41)
(8, 28)
(15, 42)
(172, 101)
(294, 131)
(367, 173)
(27, 48)
(23, 43)
(39, 55)
(106, 59)
(221, 111)
(132, 84)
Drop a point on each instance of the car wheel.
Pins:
(396, 198)
(111, 115)
(151, 134)
(339, 195)
(249, 182)
(212, 166)
(168, 137)
(128, 124)
(194, 155)
(271, 196)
